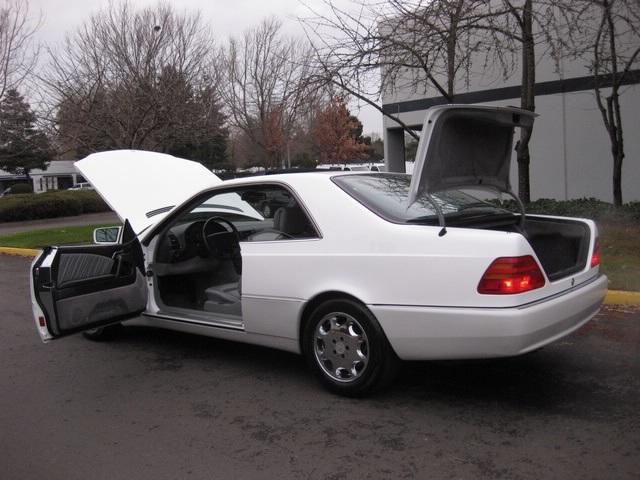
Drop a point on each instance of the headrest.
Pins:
(290, 220)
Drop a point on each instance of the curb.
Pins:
(21, 252)
(614, 297)
(620, 297)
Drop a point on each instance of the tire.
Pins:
(347, 349)
(101, 334)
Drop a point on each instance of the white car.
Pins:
(357, 272)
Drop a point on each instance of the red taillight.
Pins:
(595, 256)
(508, 275)
(42, 322)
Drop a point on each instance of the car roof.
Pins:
(294, 178)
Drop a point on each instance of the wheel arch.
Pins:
(317, 300)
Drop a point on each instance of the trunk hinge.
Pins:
(520, 206)
(441, 220)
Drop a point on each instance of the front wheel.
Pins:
(100, 334)
(347, 349)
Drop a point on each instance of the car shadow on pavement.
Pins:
(172, 349)
(554, 380)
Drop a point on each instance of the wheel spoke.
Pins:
(341, 347)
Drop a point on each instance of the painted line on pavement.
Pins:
(21, 252)
(621, 297)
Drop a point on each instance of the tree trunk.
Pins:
(617, 179)
(611, 115)
(527, 101)
(617, 145)
(451, 59)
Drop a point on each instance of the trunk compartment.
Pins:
(561, 245)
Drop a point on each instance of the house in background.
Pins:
(60, 175)
(570, 149)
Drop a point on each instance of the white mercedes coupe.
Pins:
(356, 271)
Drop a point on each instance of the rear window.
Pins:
(386, 194)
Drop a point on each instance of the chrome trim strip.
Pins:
(519, 307)
(237, 328)
(265, 297)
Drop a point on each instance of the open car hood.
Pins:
(143, 187)
(466, 146)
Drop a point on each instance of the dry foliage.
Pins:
(334, 134)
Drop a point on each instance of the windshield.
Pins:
(386, 194)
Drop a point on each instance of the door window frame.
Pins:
(166, 222)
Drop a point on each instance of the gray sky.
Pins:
(226, 17)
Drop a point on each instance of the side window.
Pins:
(259, 213)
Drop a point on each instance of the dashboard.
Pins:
(183, 249)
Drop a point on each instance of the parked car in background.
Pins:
(358, 271)
(353, 167)
(82, 186)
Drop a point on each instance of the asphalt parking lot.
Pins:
(163, 405)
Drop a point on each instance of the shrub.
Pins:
(90, 200)
(50, 205)
(582, 208)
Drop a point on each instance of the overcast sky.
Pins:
(226, 17)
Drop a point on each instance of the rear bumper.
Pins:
(429, 333)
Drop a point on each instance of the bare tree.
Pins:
(522, 27)
(132, 78)
(374, 48)
(606, 34)
(266, 87)
(18, 54)
(423, 47)
(515, 26)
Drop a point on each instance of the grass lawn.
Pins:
(620, 255)
(55, 236)
(619, 247)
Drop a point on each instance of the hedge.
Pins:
(21, 188)
(583, 208)
(54, 204)
(64, 203)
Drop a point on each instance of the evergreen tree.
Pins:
(22, 146)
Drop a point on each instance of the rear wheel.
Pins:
(347, 349)
(101, 334)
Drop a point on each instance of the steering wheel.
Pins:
(222, 240)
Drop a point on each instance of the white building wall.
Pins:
(570, 148)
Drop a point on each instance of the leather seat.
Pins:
(224, 299)
(291, 220)
(225, 293)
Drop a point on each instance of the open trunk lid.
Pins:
(143, 187)
(466, 146)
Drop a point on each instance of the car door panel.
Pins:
(78, 311)
(84, 287)
(79, 266)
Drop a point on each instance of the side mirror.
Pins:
(107, 235)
